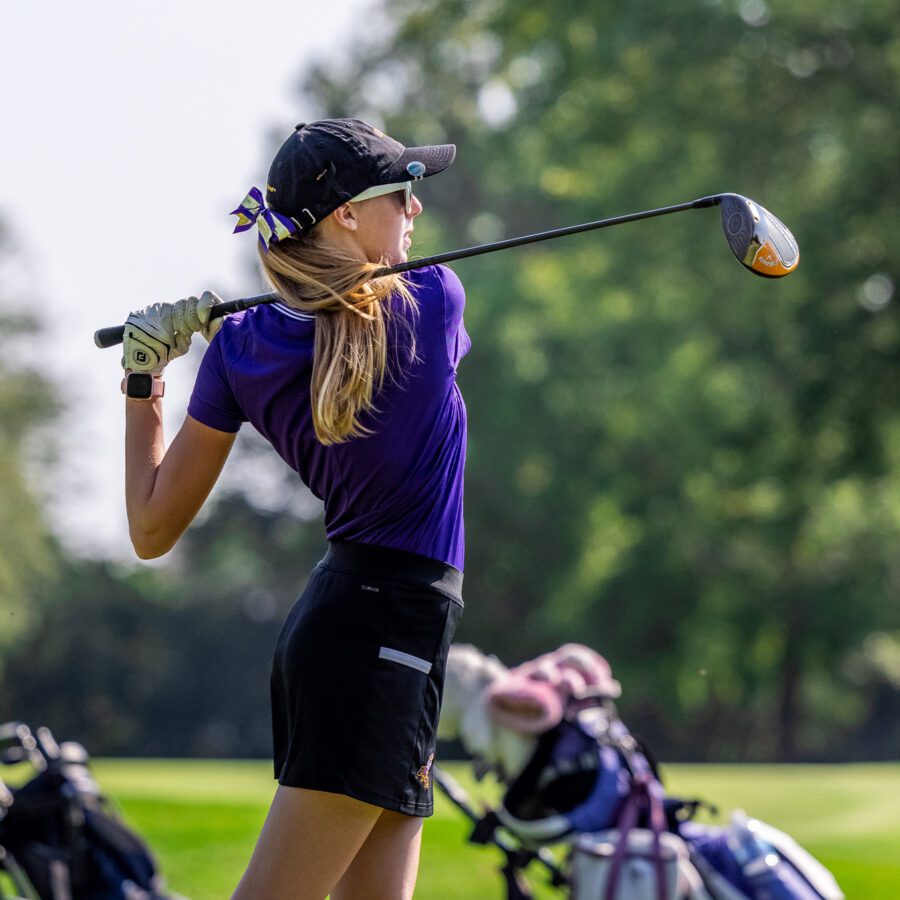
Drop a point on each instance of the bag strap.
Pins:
(645, 793)
(657, 826)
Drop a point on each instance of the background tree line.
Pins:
(694, 471)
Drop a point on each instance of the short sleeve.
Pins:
(213, 402)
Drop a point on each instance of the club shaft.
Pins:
(544, 236)
(109, 337)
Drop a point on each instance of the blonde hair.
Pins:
(351, 355)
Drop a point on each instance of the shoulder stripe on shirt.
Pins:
(291, 313)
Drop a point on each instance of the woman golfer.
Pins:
(352, 381)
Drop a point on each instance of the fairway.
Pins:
(201, 819)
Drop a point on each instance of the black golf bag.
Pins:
(59, 837)
(590, 809)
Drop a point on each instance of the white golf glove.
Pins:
(162, 332)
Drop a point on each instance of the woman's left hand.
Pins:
(162, 332)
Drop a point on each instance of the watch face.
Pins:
(139, 386)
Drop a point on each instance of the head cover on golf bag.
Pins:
(587, 781)
(59, 837)
(590, 782)
(577, 780)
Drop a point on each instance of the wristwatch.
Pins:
(142, 386)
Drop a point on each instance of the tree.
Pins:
(692, 470)
(28, 555)
(171, 661)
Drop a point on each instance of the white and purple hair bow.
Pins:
(272, 226)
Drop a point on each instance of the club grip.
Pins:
(109, 337)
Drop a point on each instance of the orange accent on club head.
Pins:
(766, 262)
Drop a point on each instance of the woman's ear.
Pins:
(345, 217)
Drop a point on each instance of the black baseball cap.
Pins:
(324, 164)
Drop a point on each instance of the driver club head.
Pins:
(761, 242)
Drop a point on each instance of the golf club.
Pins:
(759, 241)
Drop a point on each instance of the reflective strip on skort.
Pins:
(405, 659)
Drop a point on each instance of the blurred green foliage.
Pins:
(695, 471)
(688, 468)
(167, 662)
(28, 555)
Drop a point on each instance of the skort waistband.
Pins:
(394, 565)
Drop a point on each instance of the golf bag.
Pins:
(591, 789)
(59, 837)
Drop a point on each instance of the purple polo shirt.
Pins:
(402, 485)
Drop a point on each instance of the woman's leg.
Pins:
(307, 842)
(386, 865)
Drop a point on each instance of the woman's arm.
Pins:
(164, 489)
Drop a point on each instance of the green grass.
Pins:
(202, 818)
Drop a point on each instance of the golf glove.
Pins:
(162, 332)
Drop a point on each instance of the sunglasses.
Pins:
(381, 189)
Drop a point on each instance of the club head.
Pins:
(760, 241)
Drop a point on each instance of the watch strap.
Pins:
(157, 386)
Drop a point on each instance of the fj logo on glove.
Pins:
(424, 774)
(141, 357)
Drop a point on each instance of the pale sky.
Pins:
(130, 131)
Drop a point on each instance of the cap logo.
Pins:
(416, 169)
(270, 188)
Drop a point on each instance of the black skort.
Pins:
(358, 676)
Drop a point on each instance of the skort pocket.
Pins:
(407, 680)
